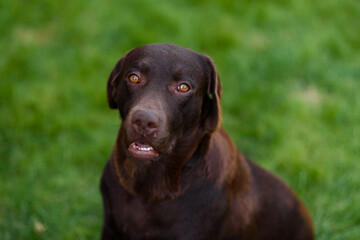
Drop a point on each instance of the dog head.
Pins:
(165, 94)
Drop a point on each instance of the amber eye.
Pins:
(134, 78)
(183, 87)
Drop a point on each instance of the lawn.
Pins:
(291, 81)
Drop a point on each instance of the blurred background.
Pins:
(290, 71)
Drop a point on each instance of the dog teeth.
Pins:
(142, 148)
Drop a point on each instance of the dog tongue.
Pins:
(142, 151)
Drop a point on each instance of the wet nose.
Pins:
(145, 122)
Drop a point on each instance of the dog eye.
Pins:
(183, 87)
(134, 78)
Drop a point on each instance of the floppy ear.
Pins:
(214, 90)
(112, 83)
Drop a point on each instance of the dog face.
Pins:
(165, 94)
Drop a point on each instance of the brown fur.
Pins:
(200, 186)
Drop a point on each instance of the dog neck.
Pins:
(169, 177)
(160, 179)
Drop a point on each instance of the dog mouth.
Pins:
(142, 152)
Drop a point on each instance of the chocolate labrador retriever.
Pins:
(174, 172)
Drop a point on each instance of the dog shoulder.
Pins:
(286, 212)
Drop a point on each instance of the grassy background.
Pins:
(290, 72)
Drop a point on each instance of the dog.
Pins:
(174, 172)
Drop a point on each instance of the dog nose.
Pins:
(145, 122)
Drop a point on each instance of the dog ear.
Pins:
(214, 91)
(112, 83)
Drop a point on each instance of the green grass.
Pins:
(291, 80)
